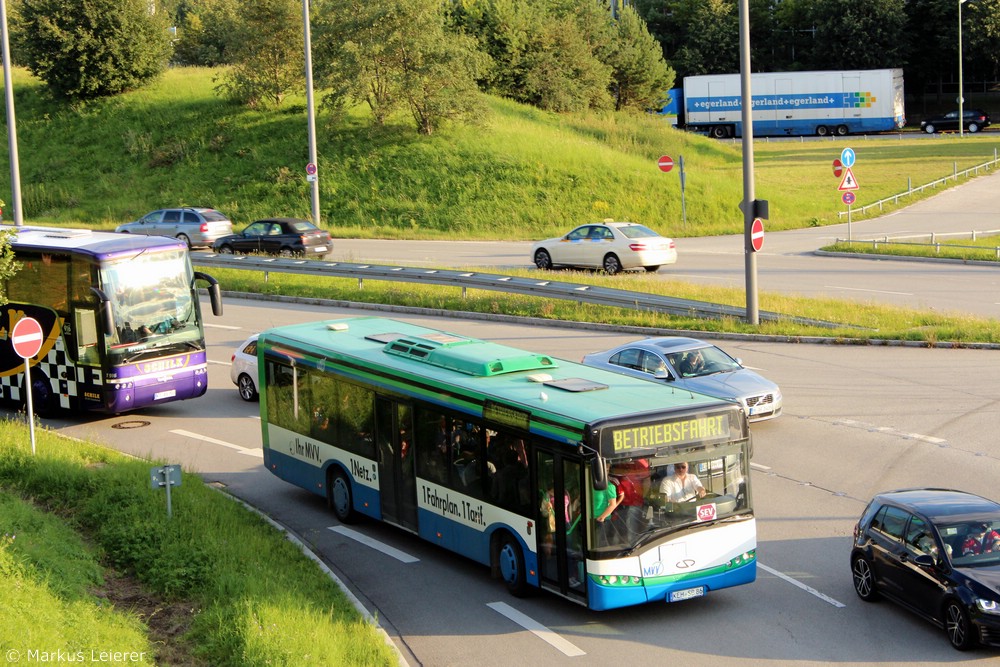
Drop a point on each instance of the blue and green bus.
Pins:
(508, 457)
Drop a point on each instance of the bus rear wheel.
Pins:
(41, 393)
(338, 489)
(510, 559)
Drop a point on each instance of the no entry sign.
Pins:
(27, 337)
(665, 163)
(757, 234)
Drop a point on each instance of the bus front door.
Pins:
(561, 523)
(397, 477)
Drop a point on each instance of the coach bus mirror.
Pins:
(107, 319)
(214, 292)
(599, 472)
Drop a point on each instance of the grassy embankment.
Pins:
(980, 249)
(90, 564)
(526, 175)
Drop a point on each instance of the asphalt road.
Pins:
(787, 263)
(857, 420)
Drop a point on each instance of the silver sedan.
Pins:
(694, 365)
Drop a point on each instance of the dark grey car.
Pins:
(975, 120)
(199, 226)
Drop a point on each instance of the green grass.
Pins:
(982, 249)
(857, 321)
(526, 174)
(90, 562)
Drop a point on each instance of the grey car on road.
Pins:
(197, 226)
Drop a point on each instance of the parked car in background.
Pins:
(611, 246)
(695, 365)
(243, 369)
(935, 552)
(287, 237)
(975, 120)
(197, 226)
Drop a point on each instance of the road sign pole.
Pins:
(849, 238)
(684, 215)
(31, 408)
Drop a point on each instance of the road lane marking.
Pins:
(220, 326)
(256, 453)
(536, 628)
(796, 582)
(860, 289)
(401, 556)
(759, 466)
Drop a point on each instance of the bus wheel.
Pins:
(719, 132)
(822, 130)
(338, 489)
(511, 561)
(842, 130)
(41, 394)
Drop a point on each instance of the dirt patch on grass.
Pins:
(167, 621)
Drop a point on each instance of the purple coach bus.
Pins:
(121, 324)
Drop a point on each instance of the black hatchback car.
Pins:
(975, 120)
(936, 552)
(287, 237)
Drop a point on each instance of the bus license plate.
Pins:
(687, 594)
(160, 395)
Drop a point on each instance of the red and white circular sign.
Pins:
(27, 337)
(838, 168)
(757, 234)
(665, 163)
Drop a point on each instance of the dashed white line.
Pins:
(220, 326)
(256, 453)
(796, 582)
(536, 628)
(860, 289)
(401, 556)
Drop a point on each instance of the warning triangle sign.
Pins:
(848, 182)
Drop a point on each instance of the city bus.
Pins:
(121, 323)
(507, 457)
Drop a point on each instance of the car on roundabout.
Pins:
(243, 369)
(935, 552)
(285, 237)
(610, 246)
(695, 365)
(975, 120)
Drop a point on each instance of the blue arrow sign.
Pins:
(847, 157)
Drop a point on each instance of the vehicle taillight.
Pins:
(637, 247)
(204, 227)
(233, 358)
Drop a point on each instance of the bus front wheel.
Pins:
(510, 558)
(339, 496)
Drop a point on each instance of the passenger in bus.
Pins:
(632, 478)
(682, 486)
(605, 502)
(128, 334)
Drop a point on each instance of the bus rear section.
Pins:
(496, 454)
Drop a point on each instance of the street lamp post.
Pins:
(961, 113)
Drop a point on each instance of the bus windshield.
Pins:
(663, 494)
(153, 303)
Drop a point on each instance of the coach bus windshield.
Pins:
(665, 493)
(153, 304)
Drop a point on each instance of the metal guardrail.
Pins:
(933, 241)
(466, 280)
(986, 166)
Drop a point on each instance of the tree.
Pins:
(91, 49)
(205, 31)
(700, 36)
(267, 53)
(640, 77)
(858, 35)
(391, 53)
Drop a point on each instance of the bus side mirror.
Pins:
(599, 472)
(214, 292)
(104, 308)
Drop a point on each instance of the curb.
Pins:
(906, 258)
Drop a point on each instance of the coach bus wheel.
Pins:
(511, 561)
(719, 132)
(822, 131)
(339, 496)
(842, 130)
(41, 394)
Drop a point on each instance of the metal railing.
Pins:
(985, 166)
(932, 242)
(465, 280)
